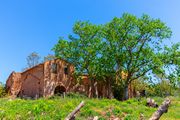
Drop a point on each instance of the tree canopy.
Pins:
(130, 45)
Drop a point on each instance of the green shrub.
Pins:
(101, 118)
(117, 111)
(108, 114)
(129, 117)
(2, 90)
(127, 110)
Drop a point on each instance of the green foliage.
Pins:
(128, 117)
(135, 46)
(117, 111)
(162, 89)
(2, 90)
(127, 44)
(171, 59)
(82, 48)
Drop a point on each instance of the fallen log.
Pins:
(162, 109)
(71, 116)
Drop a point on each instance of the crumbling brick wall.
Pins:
(41, 80)
(57, 73)
(53, 76)
(32, 82)
(13, 84)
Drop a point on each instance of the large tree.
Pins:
(135, 44)
(83, 49)
(33, 59)
(121, 51)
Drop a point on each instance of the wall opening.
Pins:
(66, 70)
(18, 95)
(54, 68)
(59, 90)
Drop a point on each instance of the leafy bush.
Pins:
(161, 89)
(2, 90)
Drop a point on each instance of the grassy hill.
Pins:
(56, 108)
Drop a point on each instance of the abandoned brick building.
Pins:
(53, 77)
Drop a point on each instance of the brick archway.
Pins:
(59, 90)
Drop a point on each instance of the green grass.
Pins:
(58, 108)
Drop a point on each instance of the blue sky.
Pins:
(36, 25)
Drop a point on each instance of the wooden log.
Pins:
(162, 109)
(71, 116)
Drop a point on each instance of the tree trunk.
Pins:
(90, 90)
(93, 90)
(125, 93)
(110, 92)
(96, 88)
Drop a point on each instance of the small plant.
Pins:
(117, 111)
(108, 114)
(2, 90)
(129, 117)
(101, 118)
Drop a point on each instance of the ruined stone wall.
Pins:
(9, 83)
(33, 82)
(54, 75)
(93, 88)
(100, 88)
(13, 84)
(132, 92)
(43, 79)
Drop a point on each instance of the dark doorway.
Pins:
(59, 90)
(18, 95)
